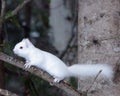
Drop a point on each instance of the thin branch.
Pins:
(94, 81)
(2, 8)
(7, 93)
(18, 8)
(38, 72)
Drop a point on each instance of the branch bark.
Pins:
(7, 93)
(17, 9)
(38, 72)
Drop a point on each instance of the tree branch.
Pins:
(17, 9)
(38, 72)
(94, 80)
(7, 93)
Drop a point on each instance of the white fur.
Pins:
(90, 70)
(56, 67)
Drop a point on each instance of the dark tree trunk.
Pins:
(2, 74)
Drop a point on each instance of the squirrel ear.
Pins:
(27, 42)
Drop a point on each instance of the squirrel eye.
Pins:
(21, 47)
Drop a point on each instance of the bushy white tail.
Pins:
(90, 70)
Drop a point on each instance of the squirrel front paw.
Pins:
(27, 65)
(56, 80)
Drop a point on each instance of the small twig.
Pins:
(7, 93)
(94, 81)
(117, 71)
(18, 8)
(2, 8)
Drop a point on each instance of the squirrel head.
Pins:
(23, 48)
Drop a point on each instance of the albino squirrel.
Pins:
(56, 67)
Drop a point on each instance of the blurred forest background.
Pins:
(51, 25)
(77, 31)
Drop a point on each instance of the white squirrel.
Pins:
(56, 67)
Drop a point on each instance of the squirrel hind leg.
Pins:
(57, 79)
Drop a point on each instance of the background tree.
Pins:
(98, 40)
